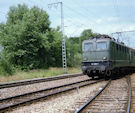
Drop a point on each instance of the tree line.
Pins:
(30, 43)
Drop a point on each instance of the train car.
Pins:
(105, 57)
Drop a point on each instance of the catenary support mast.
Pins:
(64, 60)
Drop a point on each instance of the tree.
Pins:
(55, 53)
(74, 47)
(28, 39)
(86, 35)
(73, 55)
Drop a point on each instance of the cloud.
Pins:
(102, 25)
(75, 26)
(127, 37)
(107, 19)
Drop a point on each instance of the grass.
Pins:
(22, 75)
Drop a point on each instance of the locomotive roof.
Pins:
(106, 37)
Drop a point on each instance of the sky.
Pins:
(102, 16)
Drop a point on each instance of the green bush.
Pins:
(5, 67)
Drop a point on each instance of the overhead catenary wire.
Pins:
(83, 14)
(79, 14)
(88, 11)
(115, 2)
(86, 23)
(70, 20)
(85, 17)
(120, 30)
(56, 13)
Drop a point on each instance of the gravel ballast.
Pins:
(133, 93)
(62, 102)
(112, 99)
(6, 92)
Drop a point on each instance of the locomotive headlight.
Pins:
(104, 58)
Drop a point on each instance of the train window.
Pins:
(113, 46)
(117, 47)
(101, 45)
(122, 49)
(88, 46)
(127, 50)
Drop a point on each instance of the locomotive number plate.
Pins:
(94, 64)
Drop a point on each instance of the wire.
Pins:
(115, 2)
(84, 8)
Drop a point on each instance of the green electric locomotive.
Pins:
(106, 57)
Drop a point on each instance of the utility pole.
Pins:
(64, 60)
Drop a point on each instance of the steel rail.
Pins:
(39, 80)
(5, 108)
(42, 90)
(129, 96)
(91, 99)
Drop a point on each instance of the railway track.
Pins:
(114, 97)
(11, 102)
(133, 94)
(32, 81)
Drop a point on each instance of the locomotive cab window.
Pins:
(88, 46)
(101, 45)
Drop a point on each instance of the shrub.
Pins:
(5, 67)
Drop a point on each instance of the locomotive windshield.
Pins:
(101, 45)
(88, 46)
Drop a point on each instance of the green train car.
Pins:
(106, 57)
